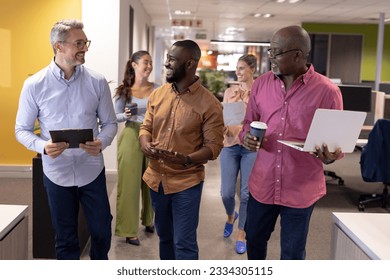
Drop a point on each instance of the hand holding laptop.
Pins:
(325, 156)
(335, 128)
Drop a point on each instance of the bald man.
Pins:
(286, 182)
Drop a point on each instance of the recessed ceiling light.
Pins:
(257, 15)
(182, 12)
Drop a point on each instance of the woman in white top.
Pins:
(132, 163)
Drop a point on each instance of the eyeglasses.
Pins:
(274, 55)
(80, 44)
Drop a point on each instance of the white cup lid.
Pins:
(259, 125)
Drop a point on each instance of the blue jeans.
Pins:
(260, 223)
(64, 208)
(176, 222)
(236, 159)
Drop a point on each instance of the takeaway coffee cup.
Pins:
(258, 129)
(133, 107)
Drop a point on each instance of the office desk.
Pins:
(13, 232)
(361, 236)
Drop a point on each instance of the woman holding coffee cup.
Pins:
(130, 106)
(234, 158)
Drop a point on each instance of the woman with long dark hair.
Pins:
(135, 89)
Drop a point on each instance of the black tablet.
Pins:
(72, 136)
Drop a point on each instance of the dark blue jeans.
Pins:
(176, 222)
(64, 208)
(260, 223)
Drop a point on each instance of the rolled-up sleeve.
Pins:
(251, 112)
(213, 129)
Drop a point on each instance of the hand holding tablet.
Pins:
(72, 136)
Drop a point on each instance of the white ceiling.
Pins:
(218, 15)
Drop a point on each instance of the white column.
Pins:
(379, 50)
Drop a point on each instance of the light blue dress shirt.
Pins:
(83, 101)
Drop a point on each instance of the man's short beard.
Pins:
(177, 75)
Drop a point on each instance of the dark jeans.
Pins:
(176, 221)
(64, 208)
(260, 223)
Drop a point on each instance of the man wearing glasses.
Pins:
(286, 182)
(66, 94)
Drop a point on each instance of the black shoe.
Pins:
(149, 229)
(133, 241)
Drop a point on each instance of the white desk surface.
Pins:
(370, 231)
(10, 215)
(361, 142)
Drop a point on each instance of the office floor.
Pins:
(212, 245)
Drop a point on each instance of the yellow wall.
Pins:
(24, 49)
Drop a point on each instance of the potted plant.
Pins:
(215, 81)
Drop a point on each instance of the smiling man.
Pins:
(66, 94)
(286, 182)
(182, 130)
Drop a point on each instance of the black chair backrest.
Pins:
(375, 156)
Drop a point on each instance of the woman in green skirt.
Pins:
(130, 106)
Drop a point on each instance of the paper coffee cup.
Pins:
(133, 107)
(258, 129)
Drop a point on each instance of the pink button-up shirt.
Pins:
(282, 175)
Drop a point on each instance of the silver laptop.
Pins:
(336, 128)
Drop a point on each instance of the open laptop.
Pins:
(336, 128)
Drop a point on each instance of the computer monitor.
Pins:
(356, 98)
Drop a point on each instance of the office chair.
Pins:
(334, 176)
(375, 163)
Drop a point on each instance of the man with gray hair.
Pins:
(66, 94)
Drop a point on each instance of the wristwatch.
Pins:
(189, 161)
